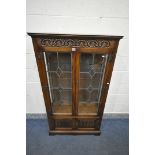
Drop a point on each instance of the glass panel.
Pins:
(91, 74)
(60, 81)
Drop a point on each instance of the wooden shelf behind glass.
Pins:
(83, 108)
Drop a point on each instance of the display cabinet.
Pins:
(75, 73)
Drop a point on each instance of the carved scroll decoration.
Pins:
(54, 42)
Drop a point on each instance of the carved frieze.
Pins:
(54, 42)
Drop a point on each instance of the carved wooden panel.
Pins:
(62, 123)
(56, 42)
(86, 124)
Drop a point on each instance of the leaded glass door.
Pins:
(59, 73)
(88, 81)
(91, 74)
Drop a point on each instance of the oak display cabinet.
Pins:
(75, 73)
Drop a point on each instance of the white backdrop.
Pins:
(105, 17)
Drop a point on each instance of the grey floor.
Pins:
(114, 140)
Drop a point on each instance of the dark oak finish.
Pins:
(100, 52)
(43, 78)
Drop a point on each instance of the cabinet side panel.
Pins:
(106, 81)
(42, 74)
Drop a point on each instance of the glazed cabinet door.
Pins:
(91, 72)
(59, 73)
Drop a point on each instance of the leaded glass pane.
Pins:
(60, 82)
(91, 75)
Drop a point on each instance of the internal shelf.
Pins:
(83, 108)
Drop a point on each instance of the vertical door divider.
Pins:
(77, 80)
(75, 86)
(73, 61)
